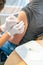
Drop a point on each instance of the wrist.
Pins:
(8, 34)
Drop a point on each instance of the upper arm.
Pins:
(21, 17)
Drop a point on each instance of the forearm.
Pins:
(21, 17)
(4, 38)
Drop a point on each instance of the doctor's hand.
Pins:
(10, 21)
(17, 29)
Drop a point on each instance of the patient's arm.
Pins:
(21, 17)
(14, 59)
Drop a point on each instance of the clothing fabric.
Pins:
(34, 13)
(1, 63)
(8, 47)
(33, 54)
(6, 50)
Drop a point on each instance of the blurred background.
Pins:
(12, 7)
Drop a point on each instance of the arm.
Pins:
(22, 16)
(14, 59)
(4, 38)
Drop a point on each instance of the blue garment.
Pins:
(6, 49)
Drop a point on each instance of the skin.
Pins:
(4, 38)
(15, 39)
(15, 59)
(21, 17)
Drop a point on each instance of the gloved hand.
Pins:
(10, 21)
(17, 29)
(3, 27)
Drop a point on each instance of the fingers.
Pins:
(11, 19)
(10, 22)
(21, 31)
(19, 25)
(17, 29)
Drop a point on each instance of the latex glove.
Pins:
(10, 21)
(3, 27)
(17, 29)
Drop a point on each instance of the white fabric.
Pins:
(17, 29)
(31, 52)
(10, 21)
(13, 26)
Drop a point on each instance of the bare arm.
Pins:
(21, 17)
(4, 38)
(14, 59)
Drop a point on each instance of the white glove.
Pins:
(17, 29)
(3, 27)
(10, 21)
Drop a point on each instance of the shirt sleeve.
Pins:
(28, 12)
(31, 53)
(31, 10)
